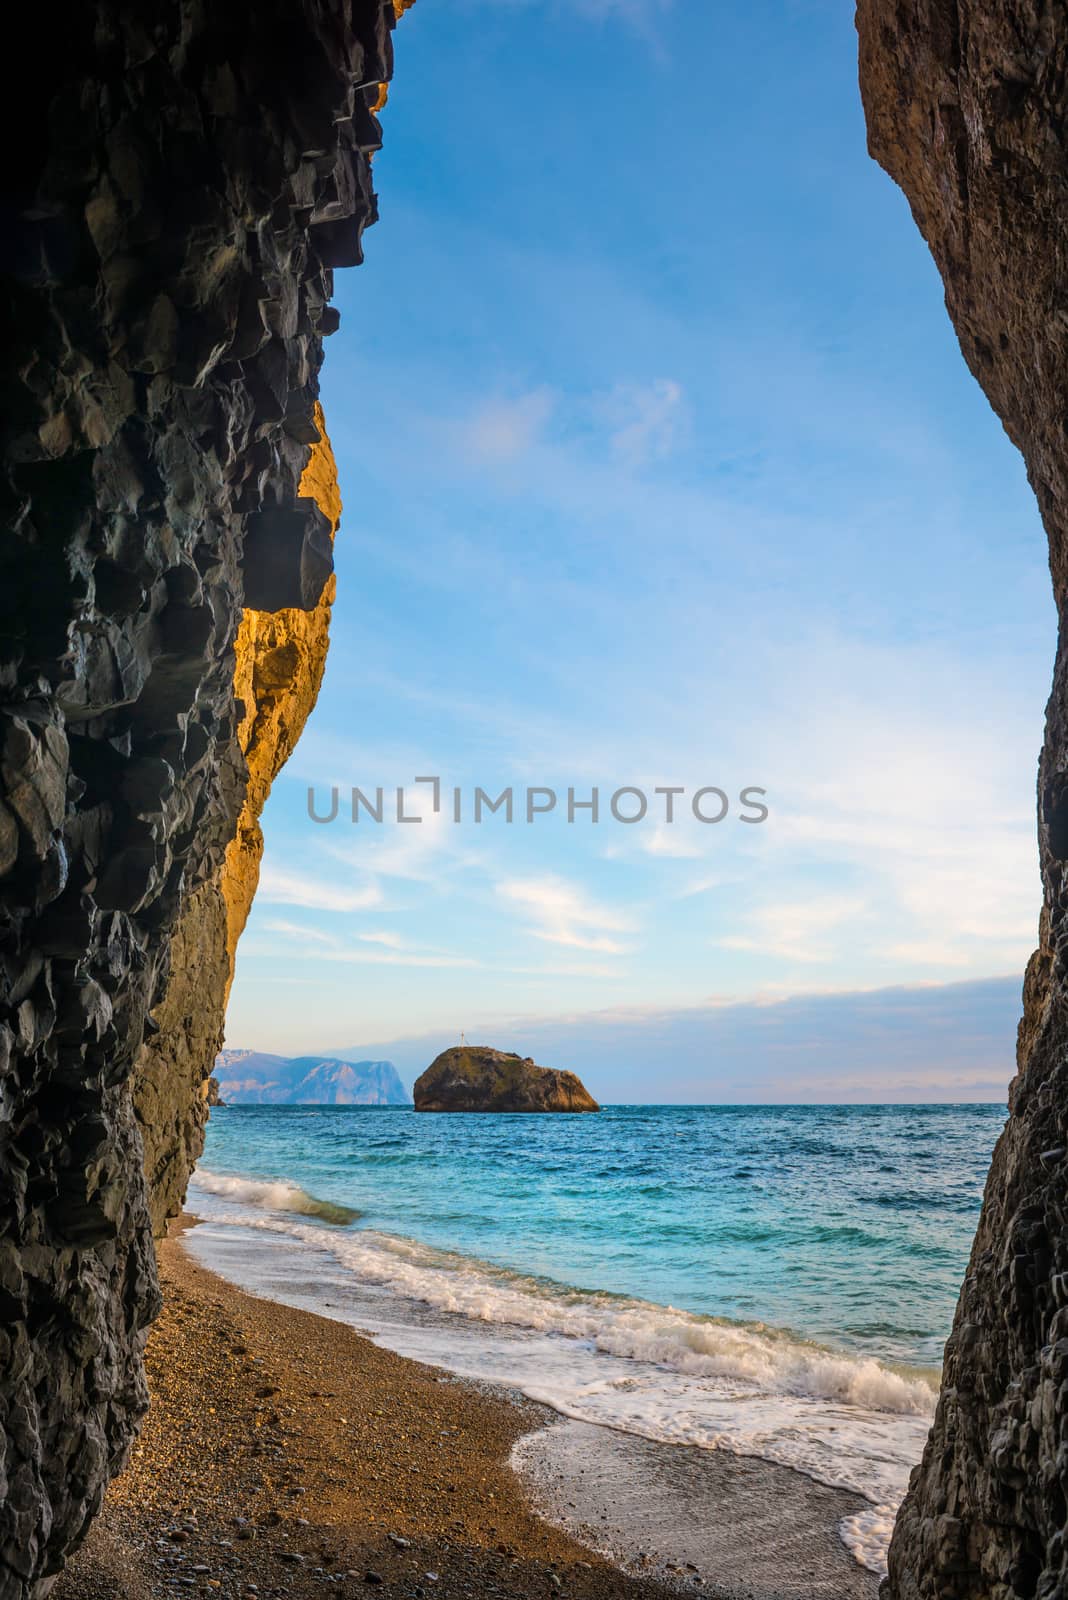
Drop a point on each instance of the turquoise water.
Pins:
(845, 1224)
(773, 1281)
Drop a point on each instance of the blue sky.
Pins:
(660, 466)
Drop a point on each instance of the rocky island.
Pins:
(478, 1078)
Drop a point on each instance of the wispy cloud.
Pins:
(563, 914)
(645, 421)
(391, 941)
(280, 886)
(673, 841)
(797, 931)
(505, 429)
(931, 953)
(640, 14)
(329, 940)
(581, 941)
(424, 852)
(399, 958)
(295, 930)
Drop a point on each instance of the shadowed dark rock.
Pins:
(288, 558)
(967, 107)
(163, 298)
(476, 1078)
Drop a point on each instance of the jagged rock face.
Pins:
(170, 1083)
(280, 659)
(966, 103)
(185, 184)
(477, 1078)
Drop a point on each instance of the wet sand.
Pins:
(755, 1530)
(286, 1455)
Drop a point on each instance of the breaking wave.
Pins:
(274, 1195)
(746, 1354)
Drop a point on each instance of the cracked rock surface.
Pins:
(187, 180)
(966, 102)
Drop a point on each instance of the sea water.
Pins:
(775, 1281)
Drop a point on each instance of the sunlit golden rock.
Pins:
(280, 658)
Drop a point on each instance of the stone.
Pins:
(163, 296)
(478, 1078)
(287, 559)
(967, 109)
(279, 662)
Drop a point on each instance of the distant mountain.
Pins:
(252, 1078)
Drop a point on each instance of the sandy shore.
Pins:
(755, 1530)
(285, 1455)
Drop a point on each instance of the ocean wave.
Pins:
(745, 1356)
(274, 1195)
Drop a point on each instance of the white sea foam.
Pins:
(746, 1356)
(867, 1535)
(273, 1195)
(667, 1374)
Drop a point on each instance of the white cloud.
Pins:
(392, 941)
(701, 885)
(503, 429)
(416, 852)
(564, 914)
(582, 941)
(332, 941)
(932, 953)
(279, 886)
(296, 931)
(670, 841)
(798, 931)
(399, 958)
(646, 421)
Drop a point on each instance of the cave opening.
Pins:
(648, 493)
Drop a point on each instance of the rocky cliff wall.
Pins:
(966, 102)
(280, 657)
(185, 185)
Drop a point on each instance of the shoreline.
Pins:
(286, 1454)
(756, 1531)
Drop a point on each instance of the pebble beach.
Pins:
(285, 1455)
